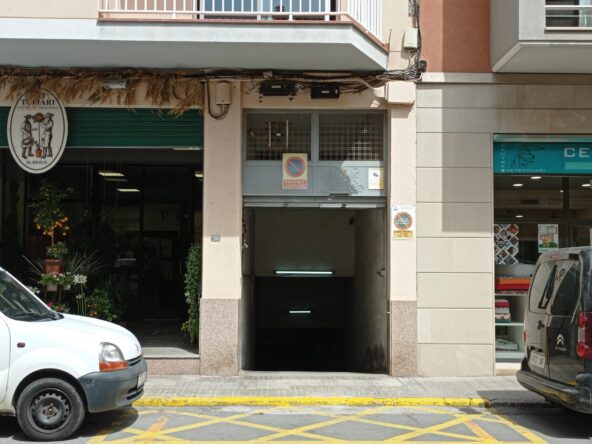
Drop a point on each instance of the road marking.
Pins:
(157, 430)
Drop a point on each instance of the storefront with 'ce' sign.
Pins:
(543, 201)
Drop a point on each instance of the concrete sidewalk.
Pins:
(291, 388)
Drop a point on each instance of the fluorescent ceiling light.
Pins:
(199, 174)
(128, 190)
(302, 273)
(536, 177)
(188, 148)
(300, 312)
(111, 174)
(518, 185)
(519, 216)
(586, 185)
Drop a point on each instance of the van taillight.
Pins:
(584, 348)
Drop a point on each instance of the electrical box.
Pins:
(325, 92)
(399, 92)
(277, 88)
(223, 93)
(411, 38)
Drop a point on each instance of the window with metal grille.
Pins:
(569, 13)
(269, 135)
(351, 136)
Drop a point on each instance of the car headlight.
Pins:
(111, 359)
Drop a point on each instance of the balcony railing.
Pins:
(569, 17)
(366, 13)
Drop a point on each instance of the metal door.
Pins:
(4, 358)
(537, 319)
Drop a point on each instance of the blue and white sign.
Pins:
(542, 158)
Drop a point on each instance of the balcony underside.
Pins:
(325, 46)
(561, 57)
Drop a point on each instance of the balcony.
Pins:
(541, 36)
(324, 35)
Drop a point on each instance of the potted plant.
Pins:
(55, 254)
(50, 218)
(68, 280)
(51, 281)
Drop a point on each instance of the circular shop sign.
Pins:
(37, 132)
(295, 167)
(403, 221)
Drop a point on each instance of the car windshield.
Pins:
(18, 303)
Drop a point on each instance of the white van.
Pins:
(56, 367)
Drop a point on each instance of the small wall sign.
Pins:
(295, 171)
(37, 132)
(403, 222)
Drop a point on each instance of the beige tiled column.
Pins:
(222, 213)
(402, 252)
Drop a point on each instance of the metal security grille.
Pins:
(270, 135)
(351, 136)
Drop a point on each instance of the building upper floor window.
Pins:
(569, 13)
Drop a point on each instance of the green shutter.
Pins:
(116, 127)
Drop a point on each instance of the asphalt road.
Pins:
(327, 424)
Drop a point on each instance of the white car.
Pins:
(56, 367)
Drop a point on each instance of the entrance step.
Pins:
(173, 366)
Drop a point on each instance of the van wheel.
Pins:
(50, 409)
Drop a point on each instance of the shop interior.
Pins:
(534, 213)
(135, 211)
(314, 296)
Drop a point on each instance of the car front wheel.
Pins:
(50, 409)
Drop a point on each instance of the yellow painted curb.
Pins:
(296, 401)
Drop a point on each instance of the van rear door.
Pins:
(562, 330)
(536, 318)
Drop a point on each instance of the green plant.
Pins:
(192, 292)
(48, 214)
(51, 278)
(99, 305)
(60, 308)
(59, 250)
(89, 265)
(67, 279)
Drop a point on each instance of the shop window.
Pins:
(270, 135)
(164, 183)
(351, 136)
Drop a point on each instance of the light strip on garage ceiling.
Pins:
(303, 273)
(111, 174)
(300, 312)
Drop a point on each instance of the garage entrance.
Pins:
(314, 296)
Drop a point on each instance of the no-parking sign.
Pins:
(295, 171)
(403, 222)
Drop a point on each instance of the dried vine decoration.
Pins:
(178, 90)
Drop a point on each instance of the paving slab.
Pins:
(273, 386)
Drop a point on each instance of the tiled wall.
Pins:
(455, 266)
